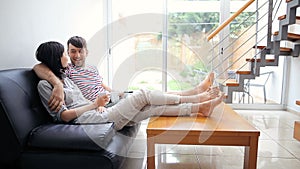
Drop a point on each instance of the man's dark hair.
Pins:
(50, 53)
(77, 41)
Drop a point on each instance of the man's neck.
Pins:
(83, 66)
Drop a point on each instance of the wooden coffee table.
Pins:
(225, 128)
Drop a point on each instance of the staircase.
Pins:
(273, 47)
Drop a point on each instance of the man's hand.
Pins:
(101, 109)
(57, 98)
(101, 100)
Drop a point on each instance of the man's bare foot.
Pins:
(206, 83)
(206, 108)
(210, 93)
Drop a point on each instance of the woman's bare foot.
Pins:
(206, 108)
(206, 83)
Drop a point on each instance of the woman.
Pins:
(138, 106)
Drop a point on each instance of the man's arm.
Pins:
(106, 87)
(57, 97)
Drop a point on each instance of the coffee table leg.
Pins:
(150, 154)
(250, 158)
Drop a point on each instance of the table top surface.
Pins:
(223, 120)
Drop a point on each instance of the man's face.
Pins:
(77, 55)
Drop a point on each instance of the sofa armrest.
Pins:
(72, 136)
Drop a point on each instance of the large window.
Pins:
(159, 44)
(188, 24)
(162, 44)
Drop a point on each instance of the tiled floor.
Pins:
(277, 148)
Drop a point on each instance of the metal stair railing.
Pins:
(254, 66)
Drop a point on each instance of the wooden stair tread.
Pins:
(282, 49)
(298, 102)
(227, 82)
(243, 72)
(259, 60)
(290, 35)
(284, 16)
(260, 47)
(297, 130)
(231, 82)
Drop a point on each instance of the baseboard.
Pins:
(256, 106)
(292, 111)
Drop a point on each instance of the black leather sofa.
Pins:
(31, 140)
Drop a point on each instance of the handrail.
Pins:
(222, 26)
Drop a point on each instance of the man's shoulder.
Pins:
(87, 66)
(91, 67)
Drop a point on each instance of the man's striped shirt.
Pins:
(87, 79)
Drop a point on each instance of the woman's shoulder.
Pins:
(44, 86)
(44, 83)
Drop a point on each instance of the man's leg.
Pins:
(202, 87)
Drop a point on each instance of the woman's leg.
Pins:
(186, 109)
(164, 110)
(128, 108)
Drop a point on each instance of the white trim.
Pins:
(257, 106)
(207, 6)
(165, 48)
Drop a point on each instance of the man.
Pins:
(85, 76)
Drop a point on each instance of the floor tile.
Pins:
(292, 146)
(176, 149)
(270, 148)
(177, 161)
(280, 133)
(221, 162)
(278, 163)
(135, 161)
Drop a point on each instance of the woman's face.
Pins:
(64, 60)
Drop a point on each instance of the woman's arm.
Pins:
(71, 114)
(64, 114)
(57, 97)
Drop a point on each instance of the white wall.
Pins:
(294, 84)
(25, 24)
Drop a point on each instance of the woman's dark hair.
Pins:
(50, 53)
(77, 41)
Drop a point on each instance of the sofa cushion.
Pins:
(72, 136)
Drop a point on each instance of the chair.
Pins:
(252, 83)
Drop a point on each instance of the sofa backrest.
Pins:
(20, 110)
